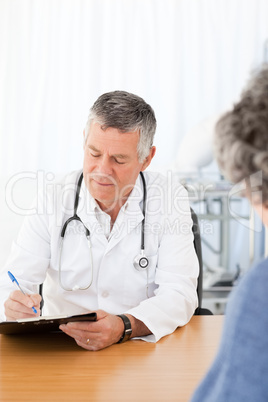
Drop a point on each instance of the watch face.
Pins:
(143, 263)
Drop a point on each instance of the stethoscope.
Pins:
(140, 262)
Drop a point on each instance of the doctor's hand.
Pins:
(19, 305)
(107, 330)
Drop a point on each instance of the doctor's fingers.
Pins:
(85, 339)
(79, 331)
(28, 300)
(87, 344)
(19, 305)
(15, 311)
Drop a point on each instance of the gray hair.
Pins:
(125, 112)
(241, 135)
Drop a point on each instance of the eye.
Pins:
(118, 162)
(95, 155)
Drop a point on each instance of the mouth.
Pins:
(103, 184)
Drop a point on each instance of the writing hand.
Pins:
(19, 306)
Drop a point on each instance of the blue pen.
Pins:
(12, 277)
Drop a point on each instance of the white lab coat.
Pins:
(117, 286)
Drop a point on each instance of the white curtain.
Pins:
(188, 58)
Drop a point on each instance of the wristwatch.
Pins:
(127, 331)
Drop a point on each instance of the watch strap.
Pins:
(127, 328)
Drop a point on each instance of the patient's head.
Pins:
(241, 138)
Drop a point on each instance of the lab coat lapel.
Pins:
(127, 221)
(129, 216)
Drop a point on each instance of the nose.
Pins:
(105, 166)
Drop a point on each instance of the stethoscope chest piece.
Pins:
(141, 262)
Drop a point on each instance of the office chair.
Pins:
(198, 250)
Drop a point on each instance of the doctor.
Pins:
(111, 240)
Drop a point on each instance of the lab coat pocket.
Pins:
(139, 284)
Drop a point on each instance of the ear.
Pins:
(148, 159)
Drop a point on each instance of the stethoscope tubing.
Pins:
(141, 262)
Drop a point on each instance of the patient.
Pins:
(240, 370)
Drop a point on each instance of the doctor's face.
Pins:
(111, 164)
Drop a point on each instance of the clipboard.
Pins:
(42, 324)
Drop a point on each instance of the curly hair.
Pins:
(241, 135)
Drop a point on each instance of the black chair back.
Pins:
(198, 250)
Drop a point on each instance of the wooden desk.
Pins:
(52, 367)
